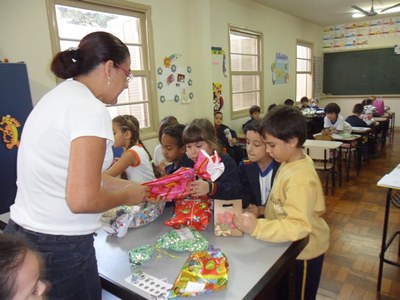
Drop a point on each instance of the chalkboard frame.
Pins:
(361, 72)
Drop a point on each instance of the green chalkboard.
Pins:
(363, 72)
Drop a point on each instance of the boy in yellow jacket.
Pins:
(296, 201)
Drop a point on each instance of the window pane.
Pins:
(303, 65)
(136, 57)
(243, 44)
(245, 100)
(245, 83)
(303, 52)
(303, 86)
(136, 91)
(244, 63)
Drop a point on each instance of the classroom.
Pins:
(193, 36)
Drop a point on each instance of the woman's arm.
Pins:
(87, 190)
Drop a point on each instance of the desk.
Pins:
(4, 218)
(257, 269)
(390, 181)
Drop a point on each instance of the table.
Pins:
(4, 218)
(390, 181)
(257, 268)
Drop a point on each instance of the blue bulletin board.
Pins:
(16, 104)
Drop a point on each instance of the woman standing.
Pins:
(65, 147)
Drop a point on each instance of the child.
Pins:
(254, 112)
(257, 173)
(227, 138)
(200, 134)
(355, 119)
(304, 103)
(334, 122)
(174, 149)
(20, 270)
(159, 159)
(135, 161)
(296, 202)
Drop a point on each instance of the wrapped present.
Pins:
(179, 240)
(193, 213)
(176, 185)
(185, 239)
(117, 221)
(203, 272)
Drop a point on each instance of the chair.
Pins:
(323, 164)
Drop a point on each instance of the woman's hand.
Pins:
(245, 222)
(137, 193)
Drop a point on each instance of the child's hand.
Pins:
(245, 222)
(233, 141)
(199, 188)
(252, 209)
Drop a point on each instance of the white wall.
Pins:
(179, 26)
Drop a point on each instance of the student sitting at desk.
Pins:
(334, 122)
(355, 119)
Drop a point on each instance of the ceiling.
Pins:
(329, 12)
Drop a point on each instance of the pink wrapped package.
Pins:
(175, 186)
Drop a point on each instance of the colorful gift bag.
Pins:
(223, 217)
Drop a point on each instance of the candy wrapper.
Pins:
(175, 186)
(185, 239)
(118, 220)
(180, 240)
(203, 272)
(193, 213)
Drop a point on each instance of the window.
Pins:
(304, 72)
(246, 73)
(72, 20)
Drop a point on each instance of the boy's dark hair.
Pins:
(254, 125)
(304, 99)
(289, 102)
(200, 130)
(285, 122)
(271, 106)
(358, 108)
(253, 109)
(175, 131)
(217, 112)
(166, 121)
(367, 102)
(332, 108)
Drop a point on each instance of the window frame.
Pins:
(143, 12)
(310, 73)
(240, 30)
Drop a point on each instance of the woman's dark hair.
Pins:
(12, 255)
(332, 108)
(358, 108)
(200, 130)
(285, 122)
(94, 49)
(254, 125)
(166, 121)
(175, 131)
(129, 122)
(288, 102)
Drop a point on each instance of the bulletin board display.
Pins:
(362, 72)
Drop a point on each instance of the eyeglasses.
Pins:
(128, 73)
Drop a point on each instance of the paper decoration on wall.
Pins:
(218, 100)
(9, 127)
(174, 83)
(219, 51)
(280, 69)
(358, 34)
